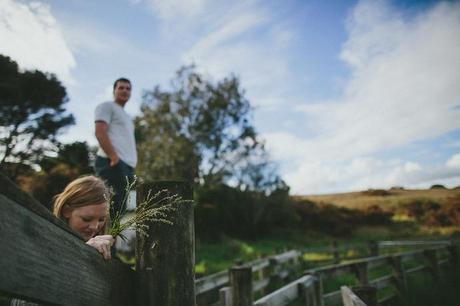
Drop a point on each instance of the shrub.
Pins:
(375, 215)
(338, 221)
(376, 192)
(430, 212)
(224, 210)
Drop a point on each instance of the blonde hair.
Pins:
(84, 191)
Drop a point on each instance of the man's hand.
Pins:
(102, 244)
(114, 160)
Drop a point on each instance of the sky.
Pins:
(348, 95)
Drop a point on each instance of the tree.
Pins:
(31, 115)
(72, 161)
(200, 130)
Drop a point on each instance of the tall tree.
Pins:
(31, 114)
(200, 130)
(72, 160)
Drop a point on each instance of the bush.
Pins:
(338, 221)
(375, 215)
(438, 186)
(325, 218)
(224, 210)
(430, 212)
(376, 192)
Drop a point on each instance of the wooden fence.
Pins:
(308, 289)
(43, 261)
(279, 268)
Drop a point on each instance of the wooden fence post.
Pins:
(360, 271)
(165, 259)
(453, 252)
(399, 276)
(373, 248)
(335, 252)
(225, 296)
(368, 294)
(309, 293)
(318, 287)
(241, 285)
(432, 259)
(273, 272)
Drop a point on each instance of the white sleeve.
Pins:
(103, 112)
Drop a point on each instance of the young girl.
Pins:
(83, 205)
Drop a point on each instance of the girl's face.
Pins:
(87, 220)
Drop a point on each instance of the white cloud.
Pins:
(172, 9)
(454, 161)
(403, 88)
(220, 38)
(30, 35)
(362, 173)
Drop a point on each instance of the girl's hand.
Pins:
(102, 244)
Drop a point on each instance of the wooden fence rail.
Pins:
(350, 298)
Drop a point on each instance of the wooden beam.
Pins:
(399, 276)
(41, 262)
(225, 296)
(349, 298)
(165, 260)
(432, 259)
(360, 270)
(241, 285)
(12, 191)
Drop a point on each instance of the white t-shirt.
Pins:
(120, 131)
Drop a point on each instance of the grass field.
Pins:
(394, 198)
(212, 257)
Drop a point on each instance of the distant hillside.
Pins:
(386, 199)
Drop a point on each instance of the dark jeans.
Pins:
(117, 178)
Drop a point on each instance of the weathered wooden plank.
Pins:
(286, 294)
(417, 269)
(408, 243)
(41, 262)
(378, 262)
(432, 259)
(262, 264)
(241, 285)
(211, 282)
(331, 270)
(285, 257)
(12, 191)
(225, 296)
(360, 270)
(165, 258)
(349, 298)
(444, 261)
(261, 284)
(383, 282)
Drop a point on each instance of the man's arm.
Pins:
(105, 143)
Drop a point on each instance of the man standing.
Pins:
(117, 156)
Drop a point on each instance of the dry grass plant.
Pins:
(156, 207)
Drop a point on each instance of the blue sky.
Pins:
(348, 95)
